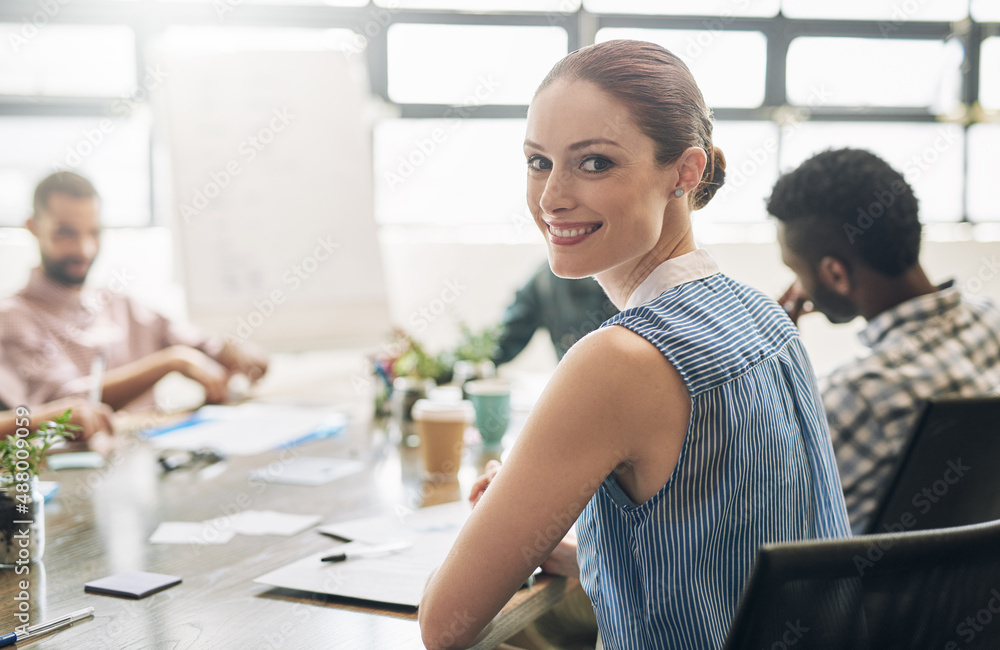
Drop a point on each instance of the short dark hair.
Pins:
(61, 182)
(851, 204)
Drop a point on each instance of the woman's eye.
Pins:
(537, 163)
(595, 165)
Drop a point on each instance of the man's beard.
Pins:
(57, 270)
(835, 307)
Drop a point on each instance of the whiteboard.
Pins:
(272, 198)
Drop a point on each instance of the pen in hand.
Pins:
(367, 551)
(43, 628)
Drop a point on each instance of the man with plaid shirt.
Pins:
(848, 228)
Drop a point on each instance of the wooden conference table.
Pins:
(99, 523)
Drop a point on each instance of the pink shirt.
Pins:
(50, 335)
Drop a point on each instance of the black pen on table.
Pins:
(42, 628)
(366, 551)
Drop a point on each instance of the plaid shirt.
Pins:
(939, 344)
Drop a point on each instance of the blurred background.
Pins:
(401, 139)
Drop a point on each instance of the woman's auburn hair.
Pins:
(661, 94)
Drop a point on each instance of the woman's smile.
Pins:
(568, 234)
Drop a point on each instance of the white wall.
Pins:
(433, 283)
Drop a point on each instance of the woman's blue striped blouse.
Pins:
(756, 467)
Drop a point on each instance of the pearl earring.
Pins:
(678, 192)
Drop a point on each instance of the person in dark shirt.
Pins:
(568, 309)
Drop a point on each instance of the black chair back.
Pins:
(938, 590)
(949, 474)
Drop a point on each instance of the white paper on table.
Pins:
(308, 470)
(264, 522)
(397, 578)
(189, 532)
(250, 429)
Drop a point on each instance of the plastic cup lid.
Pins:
(450, 411)
(488, 387)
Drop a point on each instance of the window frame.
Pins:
(150, 18)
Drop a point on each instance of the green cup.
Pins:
(491, 399)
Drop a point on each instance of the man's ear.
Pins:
(835, 274)
(32, 225)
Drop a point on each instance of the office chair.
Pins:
(936, 589)
(949, 473)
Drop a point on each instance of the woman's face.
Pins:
(594, 187)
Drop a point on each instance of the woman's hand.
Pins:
(562, 560)
(483, 482)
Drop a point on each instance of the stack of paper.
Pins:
(222, 529)
(397, 578)
(248, 429)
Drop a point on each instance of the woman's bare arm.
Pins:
(610, 396)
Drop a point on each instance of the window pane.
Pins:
(984, 170)
(751, 151)
(989, 73)
(875, 72)
(112, 153)
(896, 12)
(986, 10)
(930, 156)
(718, 9)
(64, 60)
(728, 66)
(221, 7)
(184, 40)
(449, 171)
(551, 6)
(470, 64)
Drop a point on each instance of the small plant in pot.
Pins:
(22, 514)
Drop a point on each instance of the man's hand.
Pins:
(796, 302)
(198, 366)
(91, 418)
(245, 359)
(483, 482)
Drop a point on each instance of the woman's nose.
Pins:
(558, 192)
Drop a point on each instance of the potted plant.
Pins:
(474, 354)
(22, 513)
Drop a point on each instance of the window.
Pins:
(875, 72)
(930, 156)
(454, 171)
(714, 8)
(892, 12)
(66, 60)
(984, 172)
(112, 152)
(730, 66)
(470, 64)
(989, 74)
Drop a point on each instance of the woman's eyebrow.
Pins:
(576, 145)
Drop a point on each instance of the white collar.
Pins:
(688, 267)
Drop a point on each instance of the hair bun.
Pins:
(712, 179)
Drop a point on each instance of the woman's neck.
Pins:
(620, 281)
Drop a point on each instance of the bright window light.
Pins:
(989, 73)
(728, 66)
(984, 170)
(986, 10)
(751, 151)
(930, 156)
(470, 64)
(875, 72)
(719, 10)
(894, 12)
(450, 172)
(67, 60)
(555, 7)
(112, 152)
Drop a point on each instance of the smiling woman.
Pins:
(683, 433)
